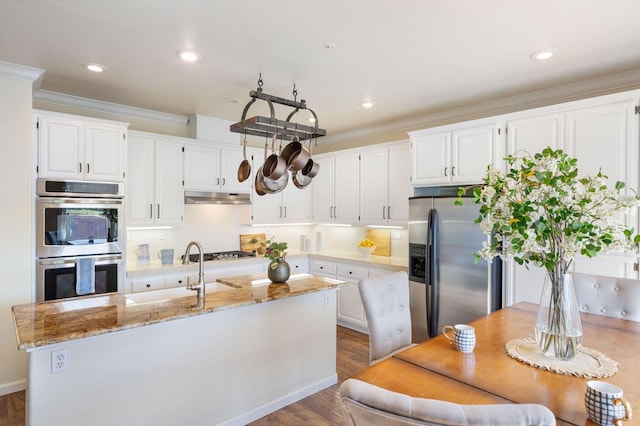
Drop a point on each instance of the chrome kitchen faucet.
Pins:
(199, 288)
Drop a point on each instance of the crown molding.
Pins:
(555, 95)
(21, 72)
(106, 107)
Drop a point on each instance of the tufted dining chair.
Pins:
(386, 306)
(608, 296)
(367, 404)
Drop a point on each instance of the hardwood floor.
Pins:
(322, 408)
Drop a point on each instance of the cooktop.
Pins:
(223, 255)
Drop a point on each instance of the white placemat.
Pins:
(588, 363)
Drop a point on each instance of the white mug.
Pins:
(166, 256)
(605, 404)
(464, 337)
(143, 253)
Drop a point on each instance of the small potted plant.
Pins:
(278, 271)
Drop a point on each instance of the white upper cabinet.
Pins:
(71, 147)
(336, 188)
(385, 185)
(455, 154)
(291, 205)
(208, 167)
(602, 133)
(155, 193)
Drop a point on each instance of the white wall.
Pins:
(16, 229)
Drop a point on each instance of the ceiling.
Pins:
(409, 57)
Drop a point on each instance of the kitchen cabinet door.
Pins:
(141, 186)
(429, 159)
(385, 185)
(472, 150)
(323, 184)
(169, 191)
(533, 134)
(210, 168)
(605, 137)
(201, 167)
(230, 160)
(456, 154)
(346, 188)
(399, 184)
(61, 147)
(155, 194)
(71, 147)
(104, 153)
(297, 203)
(374, 186)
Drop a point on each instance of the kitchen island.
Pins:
(248, 350)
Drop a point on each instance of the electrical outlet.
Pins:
(59, 361)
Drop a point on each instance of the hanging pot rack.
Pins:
(270, 126)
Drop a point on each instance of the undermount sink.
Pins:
(172, 293)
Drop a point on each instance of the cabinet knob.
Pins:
(350, 272)
(148, 285)
(322, 267)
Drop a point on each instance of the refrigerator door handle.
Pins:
(433, 279)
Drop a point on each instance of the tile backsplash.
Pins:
(218, 228)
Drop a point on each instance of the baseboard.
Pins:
(11, 387)
(281, 402)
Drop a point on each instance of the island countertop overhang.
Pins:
(48, 323)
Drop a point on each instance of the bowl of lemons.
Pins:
(366, 247)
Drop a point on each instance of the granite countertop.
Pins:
(46, 323)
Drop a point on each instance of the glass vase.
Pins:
(558, 327)
(280, 273)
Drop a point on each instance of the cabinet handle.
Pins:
(285, 212)
(334, 212)
(224, 181)
(158, 211)
(330, 212)
(218, 181)
(280, 212)
(445, 171)
(453, 171)
(383, 211)
(389, 212)
(79, 167)
(88, 168)
(150, 211)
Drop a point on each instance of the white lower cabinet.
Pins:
(350, 312)
(150, 283)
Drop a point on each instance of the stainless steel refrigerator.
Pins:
(447, 286)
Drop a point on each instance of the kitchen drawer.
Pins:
(325, 268)
(148, 284)
(178, 280)
(347, 271)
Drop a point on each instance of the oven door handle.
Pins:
(74, 259)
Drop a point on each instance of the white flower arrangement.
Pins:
(543, 213)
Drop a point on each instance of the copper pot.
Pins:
(274, 165)
(295, 154)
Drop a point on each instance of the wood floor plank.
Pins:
(319, 409)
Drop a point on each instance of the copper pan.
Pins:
(244, 170)
(274, 165)
(295, 154)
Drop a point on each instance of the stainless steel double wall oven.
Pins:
(78, 220)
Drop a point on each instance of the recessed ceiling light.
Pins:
(189, 55)
(541, 55)
(95, 67)
(231, 100)
(367, 104)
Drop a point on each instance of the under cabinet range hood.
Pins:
(203, 197)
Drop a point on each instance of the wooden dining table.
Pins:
(488, 375)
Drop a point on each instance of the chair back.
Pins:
(608, 296)
(386, 306)
(366, 404)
